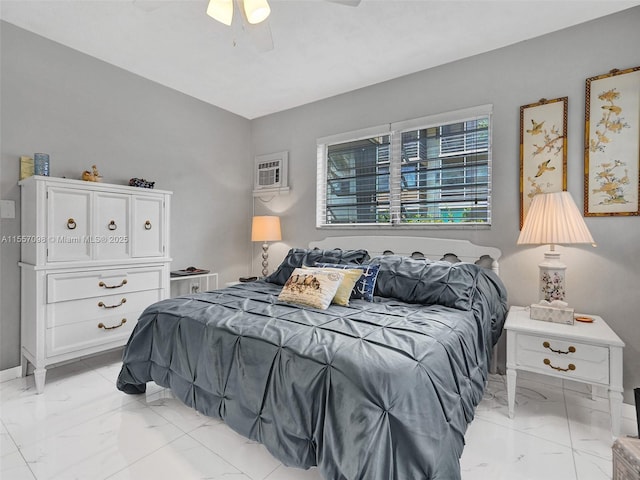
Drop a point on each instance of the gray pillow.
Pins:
(300, 257)
(425, 281)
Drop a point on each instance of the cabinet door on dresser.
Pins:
(148, 226)
(69, 225)
(112, 213)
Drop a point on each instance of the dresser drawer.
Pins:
(99, 308)
(70, 286)
(572, 360)
(87, 335)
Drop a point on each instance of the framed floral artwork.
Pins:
(612, 144)
(543, 150)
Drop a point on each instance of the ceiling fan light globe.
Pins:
(256, 10)
(221, 10)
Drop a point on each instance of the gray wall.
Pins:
(604, 280)
(83, 111)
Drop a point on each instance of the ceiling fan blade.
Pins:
(260, 34)
(349, 3)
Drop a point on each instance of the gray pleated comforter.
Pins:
(373, 391)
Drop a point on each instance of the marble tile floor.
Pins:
(83, 428)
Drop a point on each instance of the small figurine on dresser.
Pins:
(93, 175)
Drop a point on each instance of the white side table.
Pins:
(186, 284)
(583, 352)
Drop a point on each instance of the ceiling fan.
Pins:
(255, 11)
(253, 15)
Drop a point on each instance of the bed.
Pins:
(380, 389)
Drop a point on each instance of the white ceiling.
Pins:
(321, 48)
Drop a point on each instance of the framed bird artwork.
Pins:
(612, 144)
(543, 150)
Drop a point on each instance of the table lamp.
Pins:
(554, 219)
(265, 228)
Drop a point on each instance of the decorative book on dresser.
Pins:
(93, 257)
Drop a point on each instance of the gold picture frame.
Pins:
(612, 144)
(543, 150)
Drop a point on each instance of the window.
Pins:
(357, 186)
(433, 170)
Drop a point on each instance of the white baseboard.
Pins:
(10, 374)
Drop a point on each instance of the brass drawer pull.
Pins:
(112, 225)
(101, 304)
(572, 349)
(71, 224)
(122, 322)
(122, 283)
(560, 369)
(147, 225)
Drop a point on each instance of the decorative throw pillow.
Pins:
(351, 276)
(313, 288)
(299, 257)
(365, 285)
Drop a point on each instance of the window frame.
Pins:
(395, 131)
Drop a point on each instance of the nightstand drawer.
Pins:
(567, 367)
(572, 360)
(575, 350)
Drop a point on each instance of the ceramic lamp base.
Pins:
(552, 277)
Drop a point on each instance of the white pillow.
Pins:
(351, 277)
(313, 288)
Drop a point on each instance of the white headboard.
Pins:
(432, 248)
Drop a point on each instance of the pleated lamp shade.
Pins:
(554, 219)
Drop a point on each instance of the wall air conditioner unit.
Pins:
(270, 174)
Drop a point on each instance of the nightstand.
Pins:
(186, 284)
(583, 352)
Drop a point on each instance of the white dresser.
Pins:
(93, 257)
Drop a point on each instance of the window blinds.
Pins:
(432, 170)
